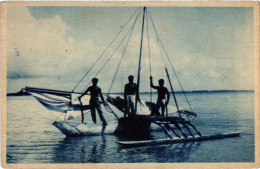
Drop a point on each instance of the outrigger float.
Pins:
(176, 124)
(177, 140)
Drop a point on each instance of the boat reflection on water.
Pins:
(81, 150)
(101, 149)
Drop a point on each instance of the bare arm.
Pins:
(101, 95)
(84, 93)
(102, 98)
(151, 83)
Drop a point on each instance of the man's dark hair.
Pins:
(131, 78)
(161, 82)
(94, 80)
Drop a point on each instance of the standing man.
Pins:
(162, 91)
(94, 103)
(130, 93)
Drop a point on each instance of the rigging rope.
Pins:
(58, 117)
(65, 116)
(111, 54)
(122, 28)
(150, 16)
(110, 110)
(123, 54)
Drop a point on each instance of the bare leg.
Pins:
(162, 108)
(103, 129)
(156, 109)
(100, 113)
(132, 107)
(93, 114)
(127, 107)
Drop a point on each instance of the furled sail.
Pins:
(146, 107)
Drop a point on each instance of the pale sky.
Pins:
(211, 48)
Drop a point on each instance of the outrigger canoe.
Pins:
(175, 123)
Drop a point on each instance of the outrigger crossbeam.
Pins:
(175, 122)
(171, 126)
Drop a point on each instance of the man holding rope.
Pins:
(161, 102)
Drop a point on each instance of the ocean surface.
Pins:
(31, 137)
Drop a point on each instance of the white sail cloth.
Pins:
(60, 103)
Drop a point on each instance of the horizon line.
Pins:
(189, 91)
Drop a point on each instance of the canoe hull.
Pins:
(177, 140)
(86, 129)
(132, 126)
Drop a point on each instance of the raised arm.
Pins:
(151, 83)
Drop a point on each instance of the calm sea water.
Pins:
(32, 139)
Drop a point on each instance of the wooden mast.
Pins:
(139, 67)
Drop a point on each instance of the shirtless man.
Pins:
(162, 91)
(130, 93)
(94, 103)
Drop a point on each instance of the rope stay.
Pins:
(111, 55)
(123, 54)
(58, 117)
(122, 28)
(150, 16)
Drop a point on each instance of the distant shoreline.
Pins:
(199, 91)
(24, 93)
